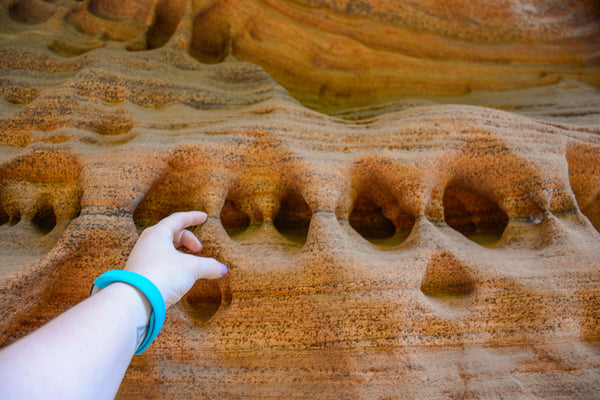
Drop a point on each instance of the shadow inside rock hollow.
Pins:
(584, 176)
(31, 11)
(204, 299)
(35, 208)
(475, 216)
(379, 219)
(288, 229)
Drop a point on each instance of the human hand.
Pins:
(173, 272)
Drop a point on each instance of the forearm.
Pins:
(83, 353)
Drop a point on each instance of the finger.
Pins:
(206, 268)
(189, 241)
(181, 220)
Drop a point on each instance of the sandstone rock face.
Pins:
(407, 194)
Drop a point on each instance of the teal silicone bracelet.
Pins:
(157, 316)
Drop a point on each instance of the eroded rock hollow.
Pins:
(407, 194)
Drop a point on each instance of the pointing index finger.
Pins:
(181, 220)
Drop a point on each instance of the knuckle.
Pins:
(148, 231)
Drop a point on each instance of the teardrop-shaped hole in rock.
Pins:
(213, 48)
(474, 215)
(584, 173)
(202, 301)
(157, 206)
(293, 218)
(382, 222)
(44, 219)
(592, 212)
(31, 11)
(4, 217)
(14, 218)
(168, 15)
(447, 276)
(367, 219)
(177, 189)
(233, 219)
(119, 10)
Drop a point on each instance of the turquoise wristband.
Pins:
(144, 285)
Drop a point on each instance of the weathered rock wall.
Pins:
(407, 196)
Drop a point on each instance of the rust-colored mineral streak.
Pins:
(407, 194)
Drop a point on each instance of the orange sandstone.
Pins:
(407, 195)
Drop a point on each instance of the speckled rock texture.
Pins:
(407, 194)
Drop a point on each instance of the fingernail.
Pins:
(223, 269)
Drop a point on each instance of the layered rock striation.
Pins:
(407, 196)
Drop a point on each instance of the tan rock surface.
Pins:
(428, 228)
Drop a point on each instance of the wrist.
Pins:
(133, 299)
(146, 291)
